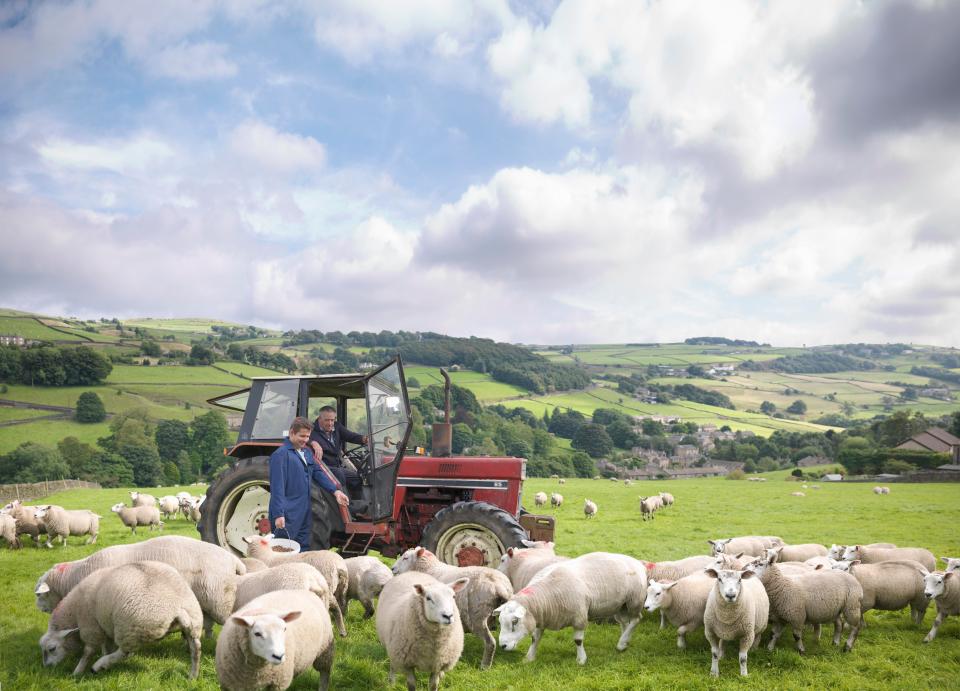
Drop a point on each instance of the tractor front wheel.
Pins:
(472, 533)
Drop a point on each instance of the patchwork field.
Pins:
(889, 653)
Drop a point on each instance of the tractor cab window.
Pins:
(388, 415)
(278, 407)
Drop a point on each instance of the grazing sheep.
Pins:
(681, 602)
(487, 590)
(800, 552)
(878, 490)
(61, 523)
(797, 494)
(889, 585)
(8, 530)
(26, 521)
(589, 508)
(952, 564)
(945, 589)
(885, 490)
(561, 481)
(753, 545)
(367, 576)
(330, 565)
(169, 506)
(419, 624)
(273, 639)
(648, 506)
(540, 498)
(872, 555)
(129, 605)
(591, 587)
(556, 500)
(815, 597)
(666, 498)
(614, 479)
(133, 516)
(737, 608)
(141, 499)
(628, 482)
(521, 565)
(193, 512)
(293, 576)
(836, 551)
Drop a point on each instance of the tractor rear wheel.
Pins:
(472, 533)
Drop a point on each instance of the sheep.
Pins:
(133, 516)
(129, 605)
(540, 498)
(589, 508)
(61, 523)
(885, 490)
(207, 568)
(8, 530)
(193, 511)
(627, 482)
(561, 481)
(253, 565)
(521, 565)
(836, 551)
(666, 498)
(273, 639)
(419, 625)
(648, 506)
(293, 576)
(26, 521)
(556, 500)
(488, 589)
(754, 546)
(800, 552)
(169, 506)
(952, 564)
(945, 589)
(141, 499)
(872, 555)
(681, 602)
(889, 585)
(816, 597)
(797, 494)
(675, 570)
(330, 565)
(737, 608)
(591, 587)
(819, 561)
(878, 490)
(367, 576)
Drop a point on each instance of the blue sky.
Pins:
(541, 172)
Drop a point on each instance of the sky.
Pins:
(573, 171)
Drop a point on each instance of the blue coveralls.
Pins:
(290, 491)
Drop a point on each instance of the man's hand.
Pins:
(341, 498)
(316, 449)
(363, 439)
(280, 522)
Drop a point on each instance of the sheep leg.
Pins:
(663, 620)
(368, 610)
(798, 638)
(435, 681)
(851, 639)
(578, 641)
(88, 651)
(716, 652)
(323, 663)
(626, 632)
(745, 644)
(777, 629)
(412, 681)
(207, 626)
(194, 644)
(936, 625)
(682, 637)
(338, 617)
(489, 643)
(838, 630)
(816, 631)
(532, 651)
(108, 661)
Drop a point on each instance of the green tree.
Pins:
(898, 467)
(84, 366)
(768, 408)
(188, 472)
(209, 434)
(171, 473)
(90, 408)
(32, 462)
(462, 437)
(115, 470)
(145, 463)
(201, 355)
(583, 465)
(151, 348)
(622, 434)
(413, 383)
(954, 425)
(798, 407)
(652, 428)
(606, 416)
(172, 437)
(80, 458)
(544, 443)
(593, 439)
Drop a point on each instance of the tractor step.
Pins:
(357, 544)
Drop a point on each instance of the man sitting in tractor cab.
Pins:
(328, 439)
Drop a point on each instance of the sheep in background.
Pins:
(589, 509)
(952, 564)
(61, 524)
(873, 555)
(169, 506)
(540, 498)
(134, 516)
(141, 499)
(556, 500)
(666, 498)
(521, 565)
(367, 575)
(25, 520)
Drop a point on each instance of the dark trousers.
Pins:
(347, 477)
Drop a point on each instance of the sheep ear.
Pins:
(243, 620)
(747, 574)
(420, 551)
(668, 584)
(945, 560)
(739, 556)
(291, 616)
(949, 574)
(650, 565)
(510, 551)
(854, 562)
(63, 633)
(529, 543)
(419, 588)
(818, 567)
(712, 573)
(499, 609)
(42, 588)
(459, 584)
(712, 542)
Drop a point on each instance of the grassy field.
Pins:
(30, 328)
(484, 387)
(888, 654)
(199, 326)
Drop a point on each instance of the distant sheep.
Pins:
(61, 523)
(589, 508)
(666, 498)
(556, 500)
(141, 499)
(169, 506)
(133, 516)
(797, 494)
(8, 530)
(540, 498)
(561, 481)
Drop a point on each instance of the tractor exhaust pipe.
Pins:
(443, 431)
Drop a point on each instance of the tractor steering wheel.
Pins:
(360, 457)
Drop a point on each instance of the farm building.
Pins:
(934, 439)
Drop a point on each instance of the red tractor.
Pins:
(466, 509)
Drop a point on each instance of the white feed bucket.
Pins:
(282, 545)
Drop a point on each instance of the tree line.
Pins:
(46, 365)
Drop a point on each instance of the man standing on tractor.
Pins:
(292, 468)
(328, 439)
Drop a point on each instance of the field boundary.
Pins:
(36, 490)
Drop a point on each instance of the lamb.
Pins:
(330, 565)
(26, 521)
(419, 624)
(293, 576)
(649, 505)
(591, 587)
(589, 508)
(681, 602)
(952, 564)
(556, 500)
(627, 482)
(836, 551)
(521, 565)
(800, 552)
(273, 639)
(872, 555)
(816, 597)
(253, 565)
(61, 523)
(367, 576)
(208, 569)
(8, 530)
(540, 498)
(133, 516)
(666, 498)
(169, 506)
(141, 499)
(488, 589)
(737, 608)
(130, 605)
(889, 585)
(945, 589)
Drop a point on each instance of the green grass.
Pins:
(246, 371)
(173, 374)
(483, 386)
(888, 655)
(198, 326)
(49, 432)
(9, 414)
(30, 328)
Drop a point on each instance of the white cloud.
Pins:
(136, 154)
(193, 62)
(283, 152)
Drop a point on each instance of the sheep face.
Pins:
(719, 546)
(935, 583)
(729, 583)
(852, 553)
(836, 551)
(842, 565)
(952, 564)
(117, 508)
(39, 514)
(437, 601)
(267, 633)
(47, 600)
(406, 560)
(55, 645)
(515, 624)
(656, 595)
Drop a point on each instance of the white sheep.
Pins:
(737, 609)
(521, 565)
(953, 564)
(133, 516)
(273, 639)
(61, 523)
(675, 570)
(681, 602)
(944, 588)
(561, 481)
(556, 500)
(193, 511)
(800, 552)
(628, 482)
(26, 521)
(540, 498)
(293, 576)
(889, 585)
(419, 624)
(330, 565)
(142, 499)
(487, 590)
(572, 593)
(836, 551)
(872, 555)
(8, 530)
(129, 605)
(589, 508)
(648, 506)
(169, 506)
(666, 498)
(797, 494)
(815, 597)
(878, 490)
(885, 490)
(253, 565)
(754, 545)
(208, 569)
(367, 576)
